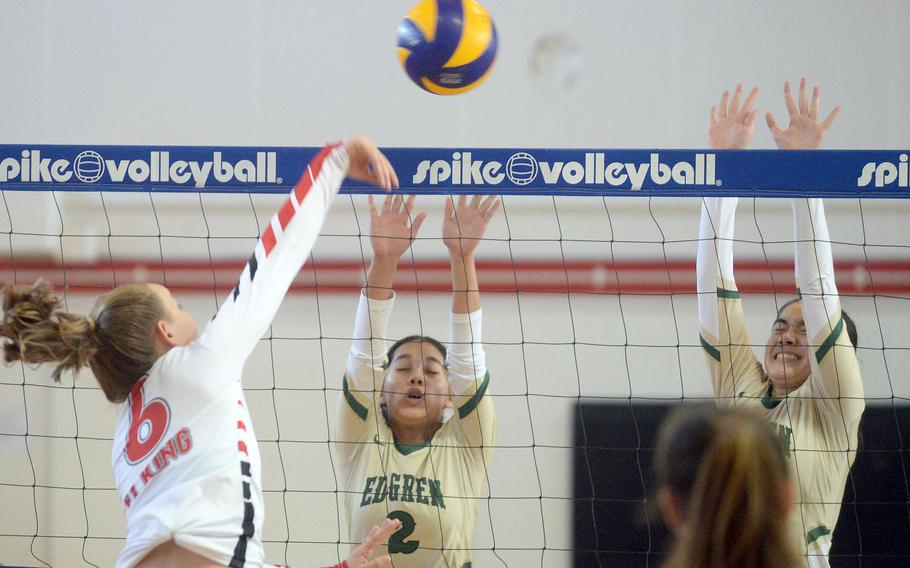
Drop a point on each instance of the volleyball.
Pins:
(447, 47)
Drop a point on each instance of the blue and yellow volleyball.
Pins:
(447, 47)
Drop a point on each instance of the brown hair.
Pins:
(117, 341)
(727, 469)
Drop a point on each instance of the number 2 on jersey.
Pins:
(148, 424)
(397, 542)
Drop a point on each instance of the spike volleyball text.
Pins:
(882, 174)
(522, 168)
(157, 166)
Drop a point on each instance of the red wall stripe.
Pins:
(636, 276)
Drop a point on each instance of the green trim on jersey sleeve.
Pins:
(359, 409)
(828, 343)
(469, 406)
(769, 401)
(466, 565)
(817, 533)
(714, 352)
(728, 294)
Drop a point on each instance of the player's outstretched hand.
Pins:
(465, 224)
(369, 164)
(392, 228)
(360, 556)
(804, 132)
(732, 126)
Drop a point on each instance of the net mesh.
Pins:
(590, 331)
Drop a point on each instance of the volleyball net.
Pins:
(588, 289)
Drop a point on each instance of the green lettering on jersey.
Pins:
(393, 486)
(785, 433)
(421, 487)
(817, 533)
(379, 496)
(436, 494)
(366, 491)
(407, 489)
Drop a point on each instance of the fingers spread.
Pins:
(723, 104)
(734, 103)
(494, 208)
(813, 108)
(788, 98)
(803, 97)
(751, 118)
(372, 201)
(830, 120)
(490, 205)
(409, 204)
(750, 100)
(418, 221)
(772, 124)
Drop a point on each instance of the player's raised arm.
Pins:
(392, 229)
(720, 315)
(828, 328)
(826, 324)
(286, 243)
(463, 228)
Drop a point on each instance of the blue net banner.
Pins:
(617, 172)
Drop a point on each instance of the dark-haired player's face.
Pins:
(416, 386)
(787, 351)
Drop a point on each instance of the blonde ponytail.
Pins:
(117, 341)
(40, 332)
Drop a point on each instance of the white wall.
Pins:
(301, 73)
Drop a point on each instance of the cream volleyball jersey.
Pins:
(186, 461)
(435, 488)
(819, 421)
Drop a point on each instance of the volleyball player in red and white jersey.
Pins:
(185, 456)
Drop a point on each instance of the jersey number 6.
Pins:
(148, 424)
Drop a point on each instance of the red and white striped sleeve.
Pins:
(280, 253)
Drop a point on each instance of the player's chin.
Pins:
(410, 412)
(419, 414)
(788, 377)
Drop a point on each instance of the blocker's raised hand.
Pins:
(392, 228)
(805, 132)
(732, 126)
(465, 224)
